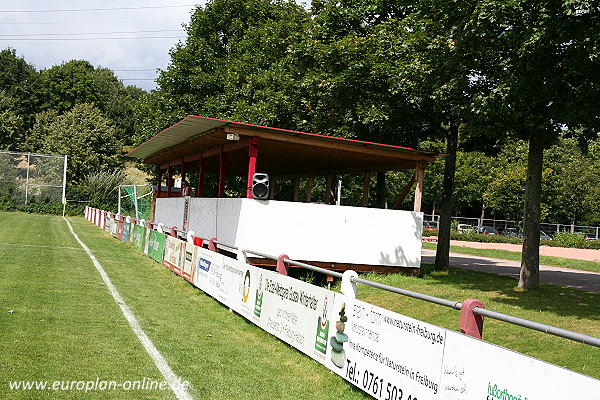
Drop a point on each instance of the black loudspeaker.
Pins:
(260, 186)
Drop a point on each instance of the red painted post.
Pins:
(470, 323)
(212, 246)
(252, 154)
(282, 267)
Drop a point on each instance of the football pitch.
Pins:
(64, 334)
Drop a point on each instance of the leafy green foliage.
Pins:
(86, 136)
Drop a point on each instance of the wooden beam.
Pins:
(366, 182)
(419, 177)
(404, 193)
(333, 143)
(296, 189)
(222, 174)
(328, 184)
(201, 174)
(169, 180)
(309, 186)
(159, 181)
(272, 184)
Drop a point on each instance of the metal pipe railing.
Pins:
(549, 329)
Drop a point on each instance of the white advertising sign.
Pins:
(188, 262)
(388, 355)
(294, 311)
(477, 370)
(173, 253)
(210, 277)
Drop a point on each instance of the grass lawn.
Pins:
(59, 322)
(516, 256)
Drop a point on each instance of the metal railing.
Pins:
(478, 311)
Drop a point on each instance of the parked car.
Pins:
(464, 228)
(431, 225)
(590, 236)
(486, 230)
(544, 236)
(513, 232)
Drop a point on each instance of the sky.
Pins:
(131, 37)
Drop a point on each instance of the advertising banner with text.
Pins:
(173, 252)
(477, 370)
(292, 310)
(188, 262)
(156, 245)
(386, 354)
(209, 276)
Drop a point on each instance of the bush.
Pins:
(53, 208)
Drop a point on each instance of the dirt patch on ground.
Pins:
(564, 252)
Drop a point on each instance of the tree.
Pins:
(64, 86)
(11, 123)
(234, 64)
(544, 78)
(83, 134)
(17, 99)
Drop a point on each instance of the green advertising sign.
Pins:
(156, 246)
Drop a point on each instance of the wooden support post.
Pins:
(366, 182)
(201, 174)
(183, 171)
(222, 173)
(328, 184)
(252, 155)
(169, 180)
(419, 178)
(159, 181)
(309, 186)
(296, 189)
(272, 184)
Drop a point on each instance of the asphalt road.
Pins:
(576, 279)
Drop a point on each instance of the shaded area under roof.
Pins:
(281, 152)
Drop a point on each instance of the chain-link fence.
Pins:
(32, 178)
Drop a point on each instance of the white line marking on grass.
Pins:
(173, 380)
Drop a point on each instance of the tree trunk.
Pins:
(530, 259)
(442, 255)
(380, 191)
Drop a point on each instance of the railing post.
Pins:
(471, 324)
(189, 237)
(348, 284)
(282, 267)
(212, 246)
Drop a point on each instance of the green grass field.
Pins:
(58, 321)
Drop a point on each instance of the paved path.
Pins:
(583, 280)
